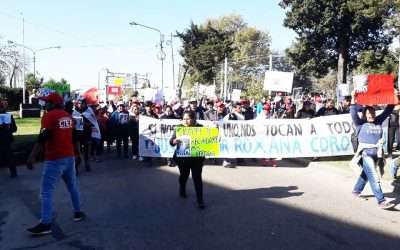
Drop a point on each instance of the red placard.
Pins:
(380, 91)
(114, 90)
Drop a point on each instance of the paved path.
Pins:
(130, 206)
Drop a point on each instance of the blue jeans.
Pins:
(369, 174)
(393, 168)
(52, 171)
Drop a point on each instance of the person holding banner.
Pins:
(306, 112)
(370, 149)
(7, 128)
(328, 109)
(198, 110)
(189, 164)
(133, 125)
(235, 115)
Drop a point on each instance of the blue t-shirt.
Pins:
(370, 132)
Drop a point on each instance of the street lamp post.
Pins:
(161, 56)
(34, 62)
(34, 57)
(34, 53)
(170, 42)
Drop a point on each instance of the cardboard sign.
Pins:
(197, 142)
(380, 90)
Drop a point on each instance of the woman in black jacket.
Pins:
(187, 164)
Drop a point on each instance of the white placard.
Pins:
(278, 81)
(236, 93)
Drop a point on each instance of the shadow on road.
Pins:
(130, 206)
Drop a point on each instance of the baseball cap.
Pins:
(53, 98)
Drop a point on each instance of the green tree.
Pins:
(332, 33)
(60, 87)
(32, 83)
(203, 48)
(371, 62)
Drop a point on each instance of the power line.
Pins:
(72, 35)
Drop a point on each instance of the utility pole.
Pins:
(173, 64)
(162, 58)
(136, 81)
(23, 55)
(270, 69)
(222, 82)
(226, 78)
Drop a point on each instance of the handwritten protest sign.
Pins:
(197, 141)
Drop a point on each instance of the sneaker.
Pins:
(170, 163)
(141, 158)
(227, 164)
(40, 229)
(356, 194)
(134, 157)
(79, 216)
(386, 205)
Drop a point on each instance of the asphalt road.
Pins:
(131, 206)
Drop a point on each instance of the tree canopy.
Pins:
(206, 45)
(332, 34)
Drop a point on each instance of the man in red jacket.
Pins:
(56, 139)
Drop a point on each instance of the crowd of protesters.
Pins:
(101, 125)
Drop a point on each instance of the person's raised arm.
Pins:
(353, 110)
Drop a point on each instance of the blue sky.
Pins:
(96, 34)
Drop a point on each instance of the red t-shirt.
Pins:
(60, 125)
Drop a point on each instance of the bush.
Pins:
(13, 96)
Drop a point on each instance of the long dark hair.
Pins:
(191, 114)
(364, 112)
